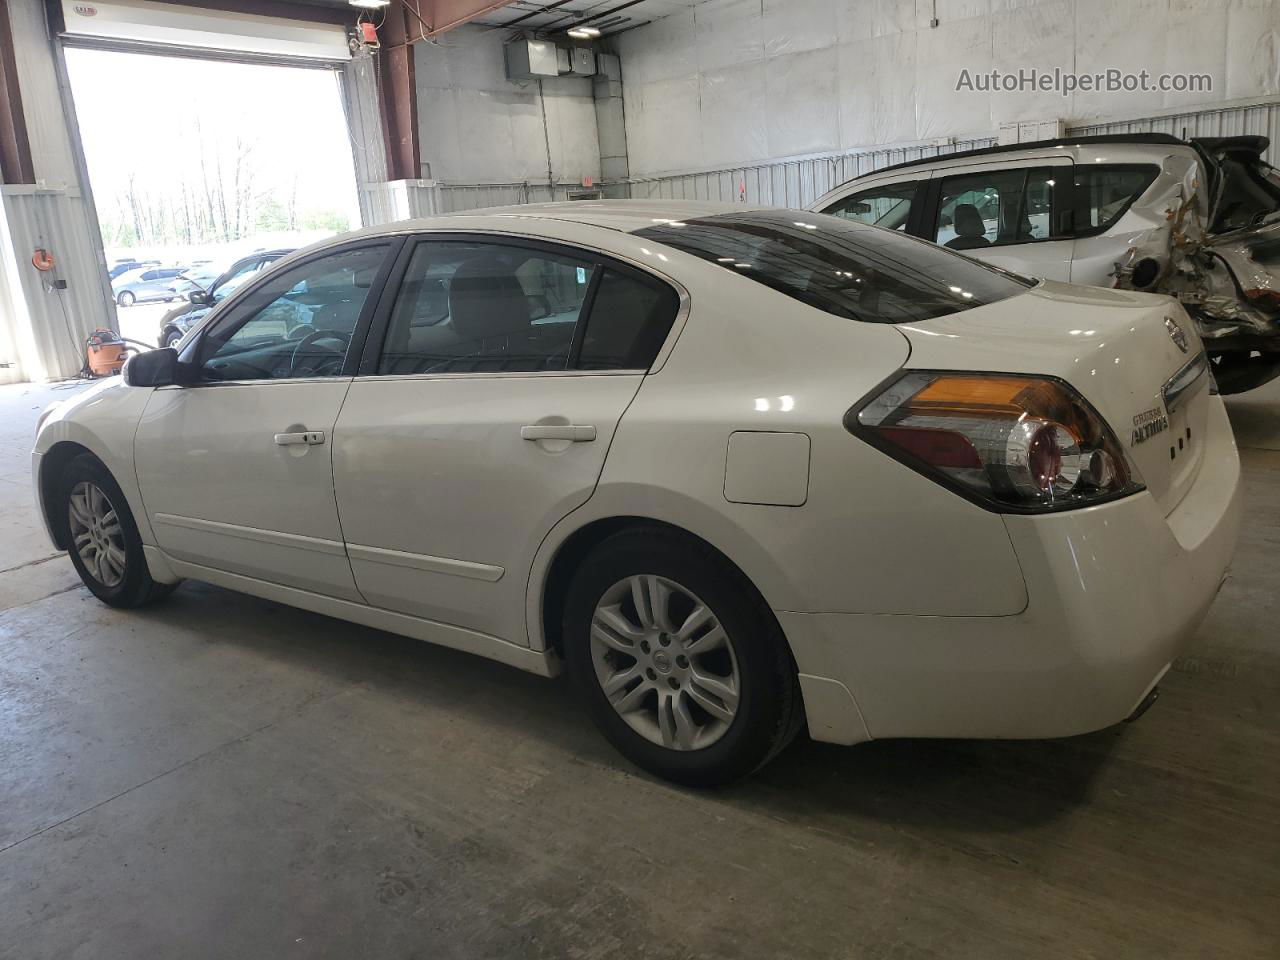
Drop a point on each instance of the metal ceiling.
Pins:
(555, 16)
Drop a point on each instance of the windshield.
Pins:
(846, 268)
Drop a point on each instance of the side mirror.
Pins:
(155, 368)
(198, 297)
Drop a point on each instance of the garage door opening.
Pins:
(197, 164)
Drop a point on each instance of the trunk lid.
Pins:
(1123, 352)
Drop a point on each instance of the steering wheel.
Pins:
(315, 336)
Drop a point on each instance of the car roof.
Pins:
(260, 254)
(626, 216)
(1006, 148)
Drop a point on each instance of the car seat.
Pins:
(970, 229)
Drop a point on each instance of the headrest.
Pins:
(968, 221)
(486, 300)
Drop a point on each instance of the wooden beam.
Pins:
(15, 147)
(398, 94)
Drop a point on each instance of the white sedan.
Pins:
(738, 470)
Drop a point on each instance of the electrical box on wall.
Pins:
(582, 62)
(1029, 131)
(530, 59)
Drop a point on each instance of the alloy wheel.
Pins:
(665, 663)
(97, 534)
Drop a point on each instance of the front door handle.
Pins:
(309, 438)
(574, 433)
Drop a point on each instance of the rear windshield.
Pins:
(1250, 192)
(846, 268)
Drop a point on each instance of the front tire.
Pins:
(126, 299)
(102, 537)
(171, 338)
(678, 660)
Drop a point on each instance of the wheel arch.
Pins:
(100, 421)
(52, 463)
(555, 566)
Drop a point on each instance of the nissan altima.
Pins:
(738, 471)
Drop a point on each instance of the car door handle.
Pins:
(574, 433)
(309, 437)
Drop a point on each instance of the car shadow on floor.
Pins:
(988, 786)
(1255, 417)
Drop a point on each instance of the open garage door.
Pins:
(134, 24)
(214, 142)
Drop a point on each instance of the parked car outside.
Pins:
(175, 323)
(738, 470)
(1198, 220)
(202, 276)
(125, 266)
(148, 284)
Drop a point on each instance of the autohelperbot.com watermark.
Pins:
(1066, 82)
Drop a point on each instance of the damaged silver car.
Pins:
(1198, 220)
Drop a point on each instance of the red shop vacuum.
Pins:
(105, 353)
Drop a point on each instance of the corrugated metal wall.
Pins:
(456, 197)
(785, 183)
(799, 182)
(47, 325)
(1254, 119)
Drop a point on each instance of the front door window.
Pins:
(298, 324)
(887, 206)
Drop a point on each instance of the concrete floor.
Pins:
(223, 777)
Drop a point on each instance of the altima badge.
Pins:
(1176, 333)
(1148, 423)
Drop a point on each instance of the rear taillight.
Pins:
(1013, 443)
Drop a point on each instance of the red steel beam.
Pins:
(15, 147)
(398, 94)
(434, 17)
(447, 14)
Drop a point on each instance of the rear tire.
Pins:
(102, 538)
(700, 705)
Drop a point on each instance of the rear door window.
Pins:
(887, 206)
(1104, 193)
(479, 307)
(630, 318)
(489, 306)
(998, 207)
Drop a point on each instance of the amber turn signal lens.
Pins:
(1016, 443)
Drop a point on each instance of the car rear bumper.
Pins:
(1115, 592)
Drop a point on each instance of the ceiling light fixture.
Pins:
(583, 33)
(369, 4)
